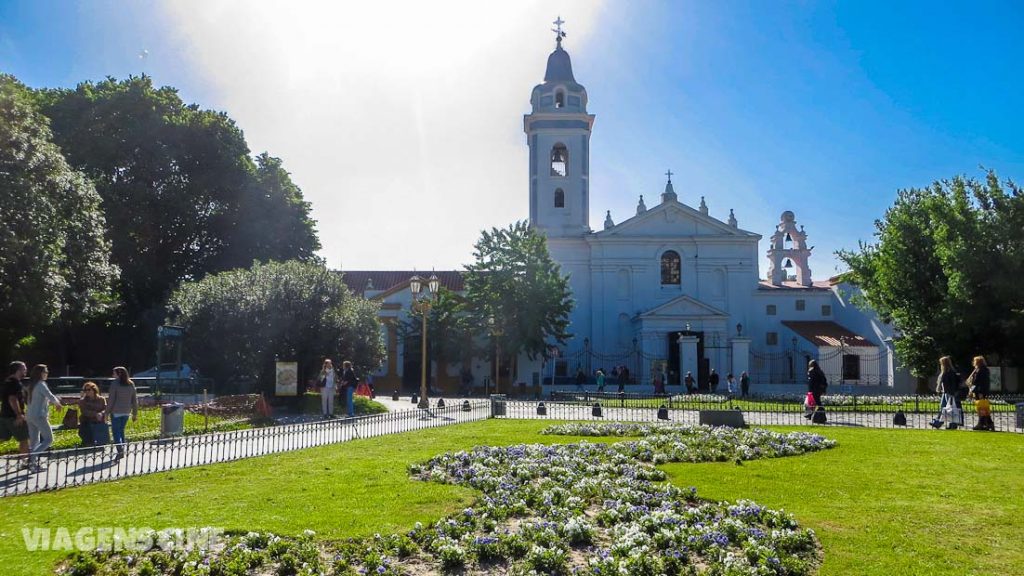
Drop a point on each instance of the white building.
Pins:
(672, 288)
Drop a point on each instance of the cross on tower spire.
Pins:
(559, 33)
(669, 174)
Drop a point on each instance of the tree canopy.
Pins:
(53, 254)
(515, 281)
(168, 193)
(946, 270)
(238, 322)
(181, 193)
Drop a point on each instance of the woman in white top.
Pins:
(40, 435)
(328, 384)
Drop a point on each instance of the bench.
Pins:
(731, 418)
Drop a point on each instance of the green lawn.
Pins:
(884, 502)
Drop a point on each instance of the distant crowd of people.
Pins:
(25, 413)
(660, 380)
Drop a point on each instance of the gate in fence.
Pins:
(842, 366)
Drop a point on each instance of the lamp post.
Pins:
(496, 331)
(422, 304)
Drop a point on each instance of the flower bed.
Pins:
(583, 508)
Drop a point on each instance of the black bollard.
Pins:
(415, 398)
(466, 407)
(542, 410)
(394, 396)
(899, 419)
(663, 412)
(596, 410)
(440, 403)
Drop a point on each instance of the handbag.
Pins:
(809, 401)
(70, 419)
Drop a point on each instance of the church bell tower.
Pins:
(789, 250)
(558, 135)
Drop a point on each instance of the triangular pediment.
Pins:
(673, 218)
(683, 306)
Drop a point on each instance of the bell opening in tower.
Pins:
(559, 160)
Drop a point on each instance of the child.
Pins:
(984, 409)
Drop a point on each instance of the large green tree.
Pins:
(181, 193)
(454, 334)
(945, 269)
(53, 255)
(238, 321)
(515, 281)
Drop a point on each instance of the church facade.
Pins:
(669, 290)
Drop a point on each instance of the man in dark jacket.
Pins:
(713, 381)
(816, 384)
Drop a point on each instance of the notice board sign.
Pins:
(287, 379)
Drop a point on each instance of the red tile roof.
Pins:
(826, 333)
(385, 280)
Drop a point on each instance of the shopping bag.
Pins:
(952, 415)
(363, 389)
(809, 403)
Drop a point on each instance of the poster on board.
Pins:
(287, 379)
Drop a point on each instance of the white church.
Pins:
(669, 290)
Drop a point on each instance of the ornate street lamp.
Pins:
(496, 331)
(422, 304)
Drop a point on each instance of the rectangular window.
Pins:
(801, 305)
(772, 339)
(770, 310)
(851, 367)
(826, 309)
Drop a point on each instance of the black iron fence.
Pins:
(919, 411)
(64, 468)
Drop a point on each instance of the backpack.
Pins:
(819, 415)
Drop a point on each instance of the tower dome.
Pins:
(559, 66)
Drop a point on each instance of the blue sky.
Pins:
(403, 124)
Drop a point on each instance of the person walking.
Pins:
(328, 386)
(348, 386)
(122, 403)
(980, 381)
(984, 410)
(92, 428)
(817, 384)
(600, 380)
(713, 381)
(690, 382)
(12, 413)
(948, 384)
(730, 384)
(40, 435)
(659, 384)
(581, 380)
(744, 384)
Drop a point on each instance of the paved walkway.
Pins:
(63, 468)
